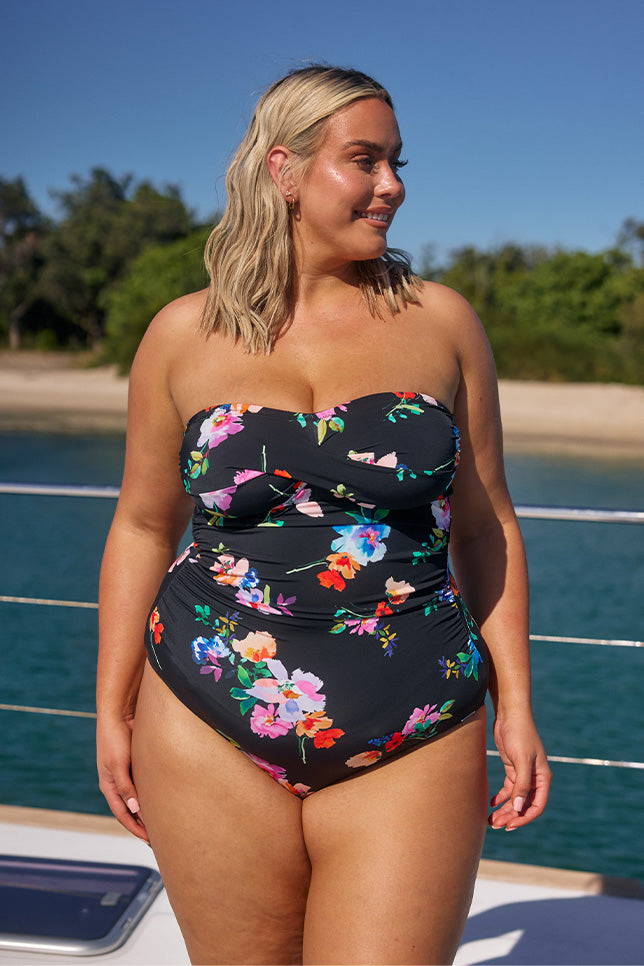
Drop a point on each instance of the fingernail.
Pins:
(511, 828)
(518, 804)
(133, 805)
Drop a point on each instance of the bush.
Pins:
(158, 275)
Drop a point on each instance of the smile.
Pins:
(375, 216)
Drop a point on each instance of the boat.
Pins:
(520, 913)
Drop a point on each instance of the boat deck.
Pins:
(520, 914)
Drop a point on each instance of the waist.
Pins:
(312, 572)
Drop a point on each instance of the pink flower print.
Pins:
(264, 722)
(364, 625)
(441, 512)
(299, 788)
(222, 422)
(304, 503)
(398, 590)
(426, 716)
(254, 597)
(296, 695)
(218, 499)
(275, 771)
(228, 572)
(330, 413)
(182, 556)
(428, 399)
(389, 459)
(242, 476)
(364, 758)
(256, 646)
(364, 542)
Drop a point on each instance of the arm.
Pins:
(490, 568)
(151, 515)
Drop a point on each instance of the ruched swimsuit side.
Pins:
(314, 622)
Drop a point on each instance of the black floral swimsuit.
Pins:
(313, 622)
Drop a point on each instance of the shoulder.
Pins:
(445, 315)
(177, 320)
(171, 332)
(169, 339)
(445, 303)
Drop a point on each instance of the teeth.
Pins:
(376, 215)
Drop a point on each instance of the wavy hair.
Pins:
(249, 254)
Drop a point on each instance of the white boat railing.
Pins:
(575, 514)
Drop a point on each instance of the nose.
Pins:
(389, 184)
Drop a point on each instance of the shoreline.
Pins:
(59, 393)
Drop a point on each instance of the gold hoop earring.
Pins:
(290, 200)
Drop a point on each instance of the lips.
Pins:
(382, 216)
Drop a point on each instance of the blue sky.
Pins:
(522, 121)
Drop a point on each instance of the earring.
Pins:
(290, 200)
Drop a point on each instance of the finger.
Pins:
(124, 804)
(132, 822)
(523, 783)
(539, 795)
(501, 816)
(503, 794)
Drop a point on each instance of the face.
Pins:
(352, 189)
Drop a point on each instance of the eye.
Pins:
(396, 165)
(366, 159)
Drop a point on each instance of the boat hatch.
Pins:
(70, 907)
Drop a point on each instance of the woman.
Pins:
(310, 637)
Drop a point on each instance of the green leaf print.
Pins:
(203, 613)
(321, 430)
(244, 677)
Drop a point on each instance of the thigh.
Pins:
(227, 837)
(394, 854)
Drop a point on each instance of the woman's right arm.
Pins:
(151, 515)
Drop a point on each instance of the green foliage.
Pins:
(158, 275)
(22, 230)
(560, 315)
(120, 250)
(106, 223)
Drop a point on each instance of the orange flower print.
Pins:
(156, 627)
(347, 565)
(383, 608)
(398, 591)
(314, 722)
(324, 739)
(332, 578)
(364, 758)
(256, 646)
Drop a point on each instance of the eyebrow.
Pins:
(373, 146)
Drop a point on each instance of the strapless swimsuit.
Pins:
(314, 622)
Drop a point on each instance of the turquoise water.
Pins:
(586, 581)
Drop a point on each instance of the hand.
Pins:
(525, 790)
(113, 746)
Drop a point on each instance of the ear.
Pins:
(279, 160)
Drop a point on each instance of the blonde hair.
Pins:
(249, 254)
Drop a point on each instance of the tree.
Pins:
(22, 229)
(158, 275)
(631, 238)
(106, 222)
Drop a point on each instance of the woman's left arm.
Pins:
(489, 562)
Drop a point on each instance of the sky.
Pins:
(521, 121)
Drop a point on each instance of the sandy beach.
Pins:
(52, 392)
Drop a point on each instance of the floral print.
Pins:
(313, 621)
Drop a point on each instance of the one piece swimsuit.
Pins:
(313, 622)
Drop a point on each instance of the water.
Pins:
(585, 582)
